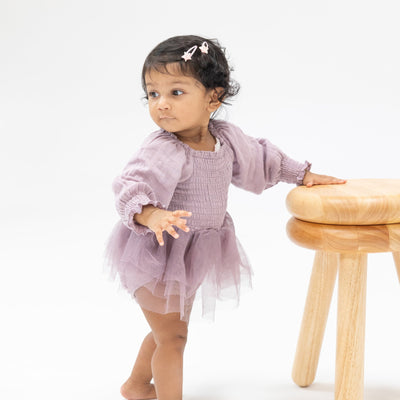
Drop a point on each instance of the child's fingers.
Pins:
(178, 222)
(182, 225)
(159, 237)
(332, 180)
(325, 180)
(172, 231)
(166, 224)
(181, 213)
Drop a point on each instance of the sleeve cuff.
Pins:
(294, 171)
(306, 167)
(135, 206)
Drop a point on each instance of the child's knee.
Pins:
(176, 341)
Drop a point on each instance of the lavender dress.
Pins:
(169, 174)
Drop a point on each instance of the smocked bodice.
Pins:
(205, 192)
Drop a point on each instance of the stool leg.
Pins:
(349, 381)
(396, 257)
(315, 315)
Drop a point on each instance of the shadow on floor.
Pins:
(317, 391)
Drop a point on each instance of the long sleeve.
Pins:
(259, 164)
(150, 177)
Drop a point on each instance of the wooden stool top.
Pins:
(357, 202)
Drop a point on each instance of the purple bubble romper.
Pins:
(169, 174)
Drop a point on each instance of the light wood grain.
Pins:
(349, 380)
(315, 315)
(396, 257)
(344, 239)
(358, 202)
(343, 223)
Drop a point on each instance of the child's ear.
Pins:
(215, 102)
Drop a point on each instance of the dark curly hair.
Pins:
(211, 70)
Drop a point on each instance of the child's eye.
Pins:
(177, 92)
(153, 94)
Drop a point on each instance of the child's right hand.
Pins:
(159, 220)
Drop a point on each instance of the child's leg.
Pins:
(138, 385)
(170, 334)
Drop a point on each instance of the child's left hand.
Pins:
(311, 179)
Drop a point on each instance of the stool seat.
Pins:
(345, 238)
(358, 202)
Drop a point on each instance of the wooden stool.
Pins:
(343, 223)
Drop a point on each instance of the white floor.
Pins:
(70, 333)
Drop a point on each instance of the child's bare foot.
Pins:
(138, 391)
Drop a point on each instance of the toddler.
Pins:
(174, 235)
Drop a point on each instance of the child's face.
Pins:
(178, 103)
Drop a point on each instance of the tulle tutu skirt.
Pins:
(165, 279)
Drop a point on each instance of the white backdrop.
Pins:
(319, 78)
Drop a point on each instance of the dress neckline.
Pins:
(219, 145)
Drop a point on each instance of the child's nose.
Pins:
(163, 103)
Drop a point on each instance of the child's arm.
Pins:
(259, 164)
(150, 178)
(159, 220)
(311, 179)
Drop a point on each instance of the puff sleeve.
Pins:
(259, 164)
(150, 177)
